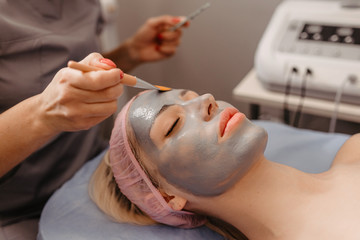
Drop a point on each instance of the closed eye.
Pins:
(172, 127)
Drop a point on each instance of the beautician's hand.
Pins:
(72, 101)
(152, 42)
(77, 101)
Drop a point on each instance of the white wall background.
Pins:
(217, 50)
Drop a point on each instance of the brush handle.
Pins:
(127, 80)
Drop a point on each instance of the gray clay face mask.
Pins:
(192, 153)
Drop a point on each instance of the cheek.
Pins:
(188, 154)
(191, 144)
(178, 152)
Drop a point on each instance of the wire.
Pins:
(286, 111)
(352, 79)
(302, 97)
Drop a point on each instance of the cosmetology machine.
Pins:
(312, 48)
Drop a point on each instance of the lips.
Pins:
(230, 118)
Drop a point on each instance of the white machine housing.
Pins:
(322, 36)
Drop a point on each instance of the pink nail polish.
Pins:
(108, 62)
(121, 75)
(160, 37)
(176, 20)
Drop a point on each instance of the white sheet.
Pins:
(70, 214)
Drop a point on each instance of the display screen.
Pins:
(327, 33)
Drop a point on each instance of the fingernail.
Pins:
(108, 62)
(121, 74)
(176, 20)
(160, 36)
(157, 47)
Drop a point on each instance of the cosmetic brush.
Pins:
(127, 80)
(190, 17)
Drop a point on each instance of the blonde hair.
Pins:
(104, 191)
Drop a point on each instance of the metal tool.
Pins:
(190, 17)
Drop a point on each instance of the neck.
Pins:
(264, 203)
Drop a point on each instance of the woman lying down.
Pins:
(185, 160)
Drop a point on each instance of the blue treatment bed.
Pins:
(70, 214)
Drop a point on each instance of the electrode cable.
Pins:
(286, 112)
(352, 79)
(304, 81)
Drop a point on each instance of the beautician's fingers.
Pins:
(168, 41)
(83, 116)
(162, 23)
(169, 36)
(93, 87)
(94, 80)
(101, 96)
(144, 46)
(73, 96)
(167, 49)
(97, 60)
(95, 110)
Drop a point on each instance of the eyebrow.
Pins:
(163, 109)
(183, 92)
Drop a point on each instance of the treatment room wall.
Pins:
(217, 49)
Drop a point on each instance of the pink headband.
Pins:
(135, 184)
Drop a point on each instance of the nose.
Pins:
(205, 105)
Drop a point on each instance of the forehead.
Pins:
(149, 103)
(147, 106)
(166, 96)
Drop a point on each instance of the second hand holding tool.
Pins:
(127, 80)
(190, 17)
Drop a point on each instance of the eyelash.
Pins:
(172, 127)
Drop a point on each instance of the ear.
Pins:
(175, 202)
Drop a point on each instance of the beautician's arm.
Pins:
(150, 43)
(73, 101)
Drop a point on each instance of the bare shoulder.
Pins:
(349, 153)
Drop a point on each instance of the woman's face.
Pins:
(197, 144)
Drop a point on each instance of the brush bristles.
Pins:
(162, 88)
